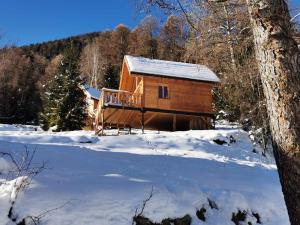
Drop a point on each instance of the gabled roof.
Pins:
(178, 70)
(92, 92)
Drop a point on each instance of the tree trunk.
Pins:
(229, 39)
(278, 60)
(95, 69)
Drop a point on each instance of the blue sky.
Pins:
(32, 21)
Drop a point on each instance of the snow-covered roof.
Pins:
(164, 68)
(93, 92)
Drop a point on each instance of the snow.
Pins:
(102, 180)
(93, 92)
(170, 69)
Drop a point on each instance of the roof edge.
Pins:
(175, 78)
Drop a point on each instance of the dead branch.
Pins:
(37, 219)
(187, 17)
(136, 215)
(23, 168)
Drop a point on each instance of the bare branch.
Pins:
(187, 17)
(136, 215)
(37, 219)
(54, 209)
(24, 170)
(294, 17)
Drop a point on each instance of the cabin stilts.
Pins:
(142, 121)
(158, 95)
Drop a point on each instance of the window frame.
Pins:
(163, 91)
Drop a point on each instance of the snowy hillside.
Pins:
(104, 179)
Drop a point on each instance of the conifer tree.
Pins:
(64, 100)
(111, 77)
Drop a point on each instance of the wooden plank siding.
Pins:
(190, 96)
(188, 106)
(127, 81)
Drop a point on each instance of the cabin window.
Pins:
(163, 92)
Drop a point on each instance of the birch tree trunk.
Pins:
(278, 59)
(229, 38)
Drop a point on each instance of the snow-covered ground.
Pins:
(104, 179)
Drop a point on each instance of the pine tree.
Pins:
(111, 77)
(64, 100)
(52, 99)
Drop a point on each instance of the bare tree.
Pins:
(278, 59)
(119, 43)
(51, 69)
(22, 172)
(92, 64)
(19, 86)
(277, 54)
(143, 39)
(140, 211)
(172, 39)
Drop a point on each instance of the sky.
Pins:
(31, 21)
(25, 22)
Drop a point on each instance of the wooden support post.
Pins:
(174, 122)
(102, 121)
(143, 122)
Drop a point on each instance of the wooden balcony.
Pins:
(114, 105)
(112, 97)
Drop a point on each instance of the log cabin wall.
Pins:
(183, 95)
(127, 82)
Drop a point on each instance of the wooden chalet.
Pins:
(92, 99)
(160, 95)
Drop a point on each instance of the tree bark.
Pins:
(229, 38)
(278, 60)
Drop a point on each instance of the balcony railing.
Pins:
(120, 98)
